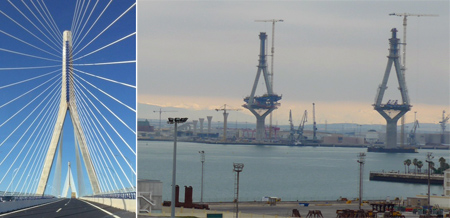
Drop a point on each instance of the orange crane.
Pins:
(225, 115)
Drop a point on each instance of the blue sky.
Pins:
(203, 54)
(48, 56)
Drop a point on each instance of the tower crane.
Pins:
(292, 131)
(403, 68)
(301, 126)
(314, 123)
(443, 124)
(271, 64)
(225, 115)
(160, 112)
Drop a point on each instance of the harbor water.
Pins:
(289, 172)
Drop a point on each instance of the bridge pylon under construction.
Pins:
(392, 110)
(263, 105)
(67, 104)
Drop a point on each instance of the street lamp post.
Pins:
(237, 168)
(361, 161)
(202, 153)
(428, 160)
(174, 170)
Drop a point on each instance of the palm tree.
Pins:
(432, 169)
(404, 163)
(442, 162)
(415, 164)
(419, 165)
(408, 162)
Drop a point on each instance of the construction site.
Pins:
(263, 101)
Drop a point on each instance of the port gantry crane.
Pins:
(225, 116)
(443, 124)
(301, 126)
(412, 134)
(314, 123)
(403, 68)
(271, 64)
(292, 131)
(296, 136)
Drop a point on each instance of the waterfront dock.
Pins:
(261, 210)
(419, 178)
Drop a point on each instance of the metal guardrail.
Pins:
(125, 195)
(6, 198)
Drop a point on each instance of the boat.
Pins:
(392, 150)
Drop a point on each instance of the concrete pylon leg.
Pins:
(260, 128)
(48, 162)
(69, 183)
(209, 124)
(201, 120)
(225, 117)
(391, 133)
(194, 132)
(84, 150)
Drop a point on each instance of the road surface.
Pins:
(70, 208)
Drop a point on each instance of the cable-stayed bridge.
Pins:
(67, 94)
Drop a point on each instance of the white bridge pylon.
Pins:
(69, 183)
(67, 103)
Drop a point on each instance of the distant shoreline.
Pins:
(445, 147)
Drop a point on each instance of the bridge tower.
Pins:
(261, 106)
(67, 104)
(392, 110)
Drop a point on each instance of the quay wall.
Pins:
(408, 178)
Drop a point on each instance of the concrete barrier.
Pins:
(16, 205)
(124, 204)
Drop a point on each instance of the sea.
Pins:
(292, 173)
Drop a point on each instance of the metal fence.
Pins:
(125, 195)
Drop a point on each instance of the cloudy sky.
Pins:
(200, 55)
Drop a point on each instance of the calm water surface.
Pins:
(291, 173)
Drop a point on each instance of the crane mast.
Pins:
(160, 112)
(314, 123)
(403, 68)
(292, 131)
(444, 121)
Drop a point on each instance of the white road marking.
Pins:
(68, 202)
(58, 210)
(5, 214)
(109, 213)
